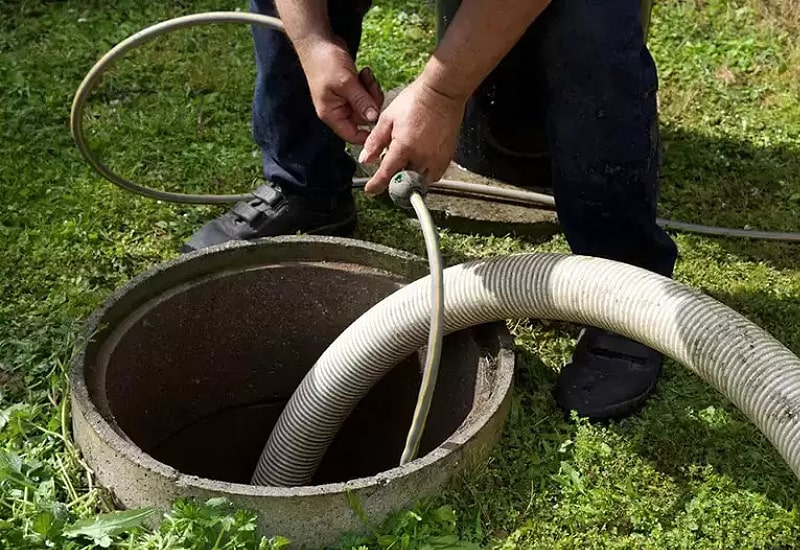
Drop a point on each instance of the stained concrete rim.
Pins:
(472, 425)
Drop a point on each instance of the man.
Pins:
(601, 86)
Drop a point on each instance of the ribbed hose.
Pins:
(747, 365)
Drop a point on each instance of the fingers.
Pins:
(373, 88)
(437, 172)
(398, 156)
(396, 159)
(379, 139)
(372, 85)
(337, 114)
(347, 130)
(360, 99)
(401, 157)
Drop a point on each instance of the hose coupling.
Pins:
(403, 185)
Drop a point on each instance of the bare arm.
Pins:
(343, 98)
(306, 21)
(419, 129)
(480, 35)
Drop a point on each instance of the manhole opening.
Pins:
(198, 377)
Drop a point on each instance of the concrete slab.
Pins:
(480, 215)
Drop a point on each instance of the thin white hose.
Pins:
(430, 372)
(104, 63)
(757, 373)
(747, 365)
(96, 72)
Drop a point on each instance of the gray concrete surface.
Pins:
(159, 369)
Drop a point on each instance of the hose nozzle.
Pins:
(403, 185)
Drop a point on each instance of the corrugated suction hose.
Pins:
(739, 359)
(752, 369)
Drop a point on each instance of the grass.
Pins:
(688, 472)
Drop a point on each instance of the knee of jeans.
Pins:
(624, 199)
(264, 7)
(362, 7)
(349, 8)
(596, 44)
(592, 27)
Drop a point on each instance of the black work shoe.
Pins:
(608, 377)
(272, 212)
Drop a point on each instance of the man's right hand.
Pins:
(343, 98)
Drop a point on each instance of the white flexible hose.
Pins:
(747, 365)
(430, 372)
(94, 75)
(743, 362)
(135, 40)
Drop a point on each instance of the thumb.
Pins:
(360, 100)
(379, 138)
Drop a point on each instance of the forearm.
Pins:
(306, 21)
(479, 36)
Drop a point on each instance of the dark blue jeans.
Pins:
(602, 124)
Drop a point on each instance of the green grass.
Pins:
(688, 472)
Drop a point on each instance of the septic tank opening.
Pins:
(198, 376)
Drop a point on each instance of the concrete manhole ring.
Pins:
(188, 366)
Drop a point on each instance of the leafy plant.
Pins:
(101, 528)
(427, 527)
(688, 472)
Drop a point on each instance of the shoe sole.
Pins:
(344, 228)
(617, 411)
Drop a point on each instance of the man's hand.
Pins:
(344, 99)
(419, 129)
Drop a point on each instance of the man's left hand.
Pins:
(419, 130)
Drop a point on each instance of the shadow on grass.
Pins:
(689, 423)
(732, 183)
(687, 427)
(688, 433)
(688, 430)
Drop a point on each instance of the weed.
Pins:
(688, 472)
